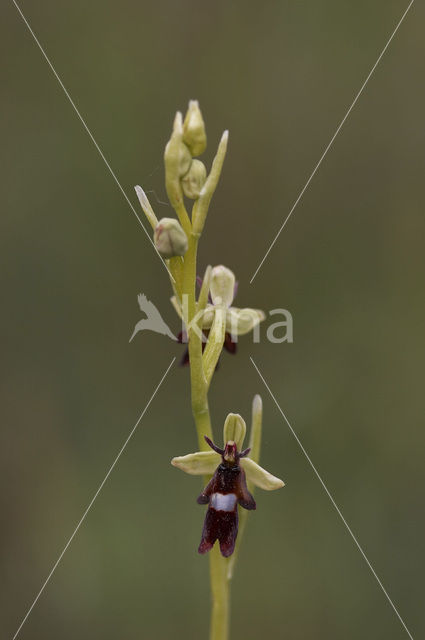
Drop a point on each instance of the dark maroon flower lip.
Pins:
(225, 491)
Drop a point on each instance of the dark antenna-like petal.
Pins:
(213, 446)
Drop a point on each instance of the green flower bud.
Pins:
(169, 238)
(194, 180)
(194, 129)
(178, 156)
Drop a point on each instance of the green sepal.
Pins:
(200, 463)
(259, 476)
(234, 429)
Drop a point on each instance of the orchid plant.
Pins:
(209, 319)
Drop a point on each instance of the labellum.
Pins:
(226, 489)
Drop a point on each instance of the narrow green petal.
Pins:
(259, 476)
(146, 206)
(197, 464)
(234, 429)
(241, 321)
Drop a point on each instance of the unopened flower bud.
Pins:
(222, 286)
(169, 238)
(194, 129)
(179, 155)
(194, 180)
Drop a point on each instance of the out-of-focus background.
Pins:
(349, 265)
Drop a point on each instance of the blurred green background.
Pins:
(349, 265)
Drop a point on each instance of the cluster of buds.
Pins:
(213, 317)
(185, 176)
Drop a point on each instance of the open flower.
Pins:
(230, 343)
(222, 292)
(205, 462)
(232, 468)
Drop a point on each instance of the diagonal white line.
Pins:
(333, 501)
(92, 500)
(90, 134)
(331, 141)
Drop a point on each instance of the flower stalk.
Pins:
(207, 320)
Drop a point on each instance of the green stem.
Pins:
(220, 591)
(199, 389)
